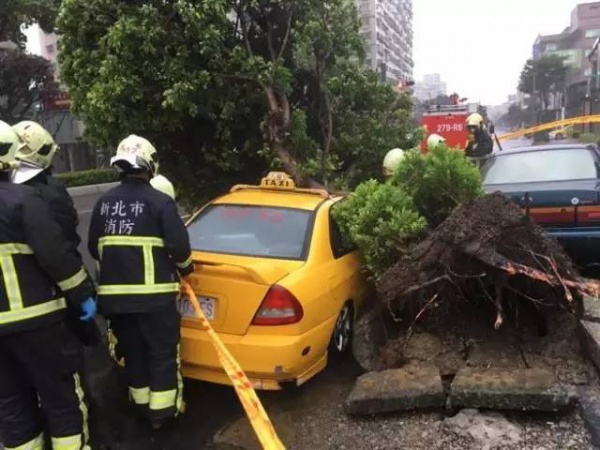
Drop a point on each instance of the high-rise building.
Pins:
(387, 30)
(430, 87)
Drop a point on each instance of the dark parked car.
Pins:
(559, 187)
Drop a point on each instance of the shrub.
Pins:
(438, 181)
(589, 138)
(379, 218)
(88, 177)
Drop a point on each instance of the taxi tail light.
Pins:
(279, 307)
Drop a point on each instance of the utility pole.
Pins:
(593, 73)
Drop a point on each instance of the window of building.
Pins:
(551, 47)
(592, 33)
(50, 49)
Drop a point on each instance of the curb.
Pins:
(81, 191)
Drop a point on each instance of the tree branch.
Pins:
(287, 34)
(244, 28)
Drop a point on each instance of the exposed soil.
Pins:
(487, 274)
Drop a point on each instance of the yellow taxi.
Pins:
(278, 281)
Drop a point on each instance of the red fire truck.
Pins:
(449, 121)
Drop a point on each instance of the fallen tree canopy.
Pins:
(465, 263)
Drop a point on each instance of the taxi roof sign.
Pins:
(278, 180)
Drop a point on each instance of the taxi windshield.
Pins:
(258, 231)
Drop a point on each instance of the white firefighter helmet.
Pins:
(9, 143)
(37, 146)
(162, 184)
(392, 160)
(434, 141)
(475, 120)
(135, 152)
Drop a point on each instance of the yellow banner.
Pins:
(550, 126)
(254, 409)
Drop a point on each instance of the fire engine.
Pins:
(449, 121)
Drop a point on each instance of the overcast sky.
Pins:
(480, 46)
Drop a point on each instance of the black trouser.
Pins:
(150, 344)
(39, 379)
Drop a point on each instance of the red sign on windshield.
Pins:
(266, 215)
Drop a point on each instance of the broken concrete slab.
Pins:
(508, 389)
(590, 340)
(369, 338)
(591, 309)
(395, 390)
(490, 430)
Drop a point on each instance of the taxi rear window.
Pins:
(259, 231)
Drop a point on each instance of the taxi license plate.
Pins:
(186, 309)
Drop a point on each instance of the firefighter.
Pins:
(143, 247)
(39, 355)
(163, 184)
(35, 155)
(434, 141)
(479, 144)
(391, 161)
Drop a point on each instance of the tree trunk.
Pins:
(276, 126)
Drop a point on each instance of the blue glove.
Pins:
(89, 309)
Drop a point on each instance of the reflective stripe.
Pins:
(148, 265)
(163, 400)
(131, 240)
(31, 312)
(67, 443)
(140, 396)
(179, 404)
(15, 249)
(150, 286)
(35, 444)
(11, 283)
(133, 289)
(186, 263)
(74, 281)
(82, 407)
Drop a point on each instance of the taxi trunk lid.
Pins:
(236, 287)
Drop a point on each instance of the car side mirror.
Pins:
(492, 128)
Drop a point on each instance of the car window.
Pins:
(341, 244)
(540, 166)
(280, 233)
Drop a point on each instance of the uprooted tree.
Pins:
(227, 89)
(437, 246)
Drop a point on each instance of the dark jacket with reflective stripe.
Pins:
(61, 205)
(142, 243)
(35, 262)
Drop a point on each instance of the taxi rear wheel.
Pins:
(343, 331)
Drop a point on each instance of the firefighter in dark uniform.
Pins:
(479, 144)
(143, 248)
(35, 154)
(39, 355)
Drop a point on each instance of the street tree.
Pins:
(228, 88)
(15, 14)
(542, 77)
(22, 79)
(23, 76)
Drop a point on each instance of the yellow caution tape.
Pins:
(254, 410)
(550, 126)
